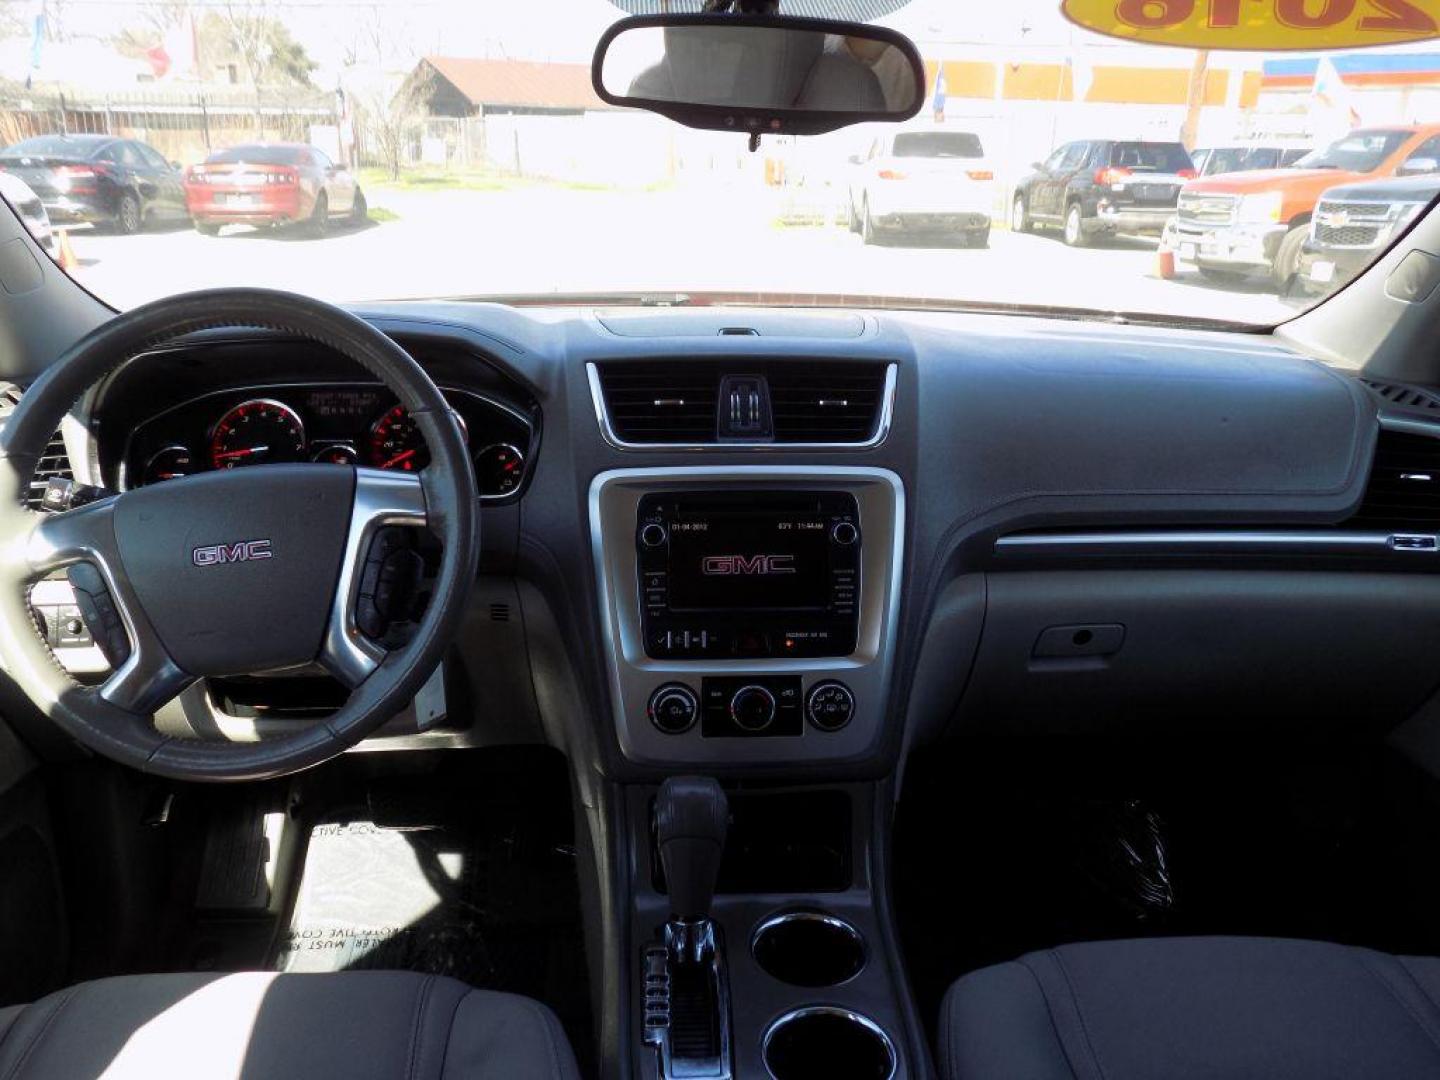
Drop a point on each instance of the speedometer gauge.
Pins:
(396, 442)
(259, 432)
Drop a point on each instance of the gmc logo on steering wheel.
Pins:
(720, 565)
(244, 551)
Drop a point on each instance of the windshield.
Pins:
(259, 155)
(1237, 159)
(938, 144)
(1151, 157)
(360, 150)
(1360, 151)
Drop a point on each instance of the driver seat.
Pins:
(356, 1025)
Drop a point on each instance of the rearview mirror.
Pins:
(1418, 166)
(759, 74)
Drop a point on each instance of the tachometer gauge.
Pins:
(498, 469)
(259, 432)
(169, 464)
(336, 454)
(396, 442)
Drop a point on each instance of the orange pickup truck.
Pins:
(1248, 223)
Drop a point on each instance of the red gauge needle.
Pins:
(404, 455)
(245, 452)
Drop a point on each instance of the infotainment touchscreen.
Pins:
(755, 561)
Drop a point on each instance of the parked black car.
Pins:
(99, 179)
(1100, 187)
(1354, 223)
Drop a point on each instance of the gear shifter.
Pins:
(692, 816)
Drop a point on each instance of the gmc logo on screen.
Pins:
(752, 565)
(244, 551)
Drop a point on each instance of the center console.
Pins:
(749, 611)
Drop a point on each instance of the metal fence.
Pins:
(183, 124)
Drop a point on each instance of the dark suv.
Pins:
(1100, 187)
(99, 179)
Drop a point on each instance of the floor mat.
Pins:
(468, 873)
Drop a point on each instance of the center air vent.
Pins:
(1404, 489)
(54, 462)
(677, 401)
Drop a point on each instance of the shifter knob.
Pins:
(692, 816)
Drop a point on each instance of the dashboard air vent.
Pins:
(1404, 489)
(661, 402)
(826, 403)
(53, 462)
(810, 401)
(1405, 397)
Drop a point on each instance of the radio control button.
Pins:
(673, 708)
(830, 705)
(653, 535)
(845, 533)
(752, 708)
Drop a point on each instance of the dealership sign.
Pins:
(1260, 24)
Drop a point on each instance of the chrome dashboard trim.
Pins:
(632, 675)
(882, 424)
(1215, 542)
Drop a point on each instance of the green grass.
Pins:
(382, 214)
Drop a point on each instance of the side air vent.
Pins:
(675, 401)
(1405, 397)
(53, 462)
(668, 402)
(826, 403)
(1404, 489)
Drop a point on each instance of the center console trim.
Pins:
(633, 676)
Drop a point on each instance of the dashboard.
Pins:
(752, 540)
(335, 423)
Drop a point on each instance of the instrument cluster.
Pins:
(340, 424)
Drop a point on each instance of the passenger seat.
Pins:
(1192, 1008)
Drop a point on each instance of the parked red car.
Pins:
(271, 184)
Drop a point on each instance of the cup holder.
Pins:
(825, 1041)
(808, 948)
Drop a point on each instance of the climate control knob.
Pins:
(673, 708)
(829, 705)
(752, 708)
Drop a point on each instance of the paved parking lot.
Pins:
(552, 239)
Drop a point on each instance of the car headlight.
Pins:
(1408, 212)
(1261, 209)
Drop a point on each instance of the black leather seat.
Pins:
(355, 1025)
(1186, 1008)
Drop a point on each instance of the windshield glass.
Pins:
(259, 155)
(938, 144)
(361, 150)
(1360, 151)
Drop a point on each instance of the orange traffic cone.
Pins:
(1164, 264)
(65, 253)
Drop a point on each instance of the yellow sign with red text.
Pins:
(1268, 25)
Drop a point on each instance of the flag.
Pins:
(940, 92)
(159, 61)
(1331, 93)
(37, 42)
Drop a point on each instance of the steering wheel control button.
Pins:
(99, 613)
(388, 582)
(674, 708)
(845, 534)
(830, 706)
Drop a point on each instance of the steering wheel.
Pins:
(231, 572)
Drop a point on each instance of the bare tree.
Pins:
(389, 120)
